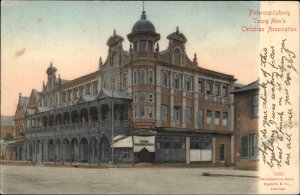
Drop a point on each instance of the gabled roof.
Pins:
(252, 86)
(24, 101)
(114, 94)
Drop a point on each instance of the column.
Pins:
(204, 89)
(183, 108)
(172, 122)
(214, 150)
(187, 149)
(232, 148)
(158, 95)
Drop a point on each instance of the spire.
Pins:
(177, 29)
(100, 62)
(143, 6)
(114, 32)
(143, 12)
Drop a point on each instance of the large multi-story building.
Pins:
(155, 106)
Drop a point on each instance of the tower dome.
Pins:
(143, 25)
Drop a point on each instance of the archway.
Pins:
(51, 150)
(104, 149)
(74, 116)
(84, 149)
(66, 118)
(93, 150)
(84, 115)
(57, 150)
(74, 150)
(66, 150)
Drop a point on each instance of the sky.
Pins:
(74, 34)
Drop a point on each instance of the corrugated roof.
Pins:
(252, 86)
(114, 94)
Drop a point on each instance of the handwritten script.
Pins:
(277, 111)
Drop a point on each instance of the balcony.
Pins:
(93, 125)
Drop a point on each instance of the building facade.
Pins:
(246, 126)
(142, 105)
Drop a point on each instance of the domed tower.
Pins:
(142, 67)
(143, 37)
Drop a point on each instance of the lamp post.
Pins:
(112, 128)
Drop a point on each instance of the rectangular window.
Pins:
(255, 106)
(253, 145)
(225, 118)
(141, 76)
(217, 89)
(217, 118)
(75, 93)
(150, 113)
(88, 89)
(209, 88)
(150, 45)
(177, 115)
(69, 95)
(135, 98)
(225, 90)
(95, 88)
(142, 97)
(244, 146)
(188, 115)
(135, 46)
(150, 76)
(141, 111)
(201, 86)
(209, 117)
(142, 46)
(64, 96)
(81, 89)
(135, 77)
(163, 112)
(200, 116)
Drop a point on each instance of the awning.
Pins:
(122, 141)
(141, 142)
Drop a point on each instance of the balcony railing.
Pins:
(81, 126)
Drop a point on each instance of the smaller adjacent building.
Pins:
(7, 146)
(246, 126)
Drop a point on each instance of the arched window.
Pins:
(177, 56)
(188, 84)
(164, 80)
(176, 82)
(124, 80)
(106, 84)
(114, 59)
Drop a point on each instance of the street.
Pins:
(142, 180)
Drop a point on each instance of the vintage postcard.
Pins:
(149, 97)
